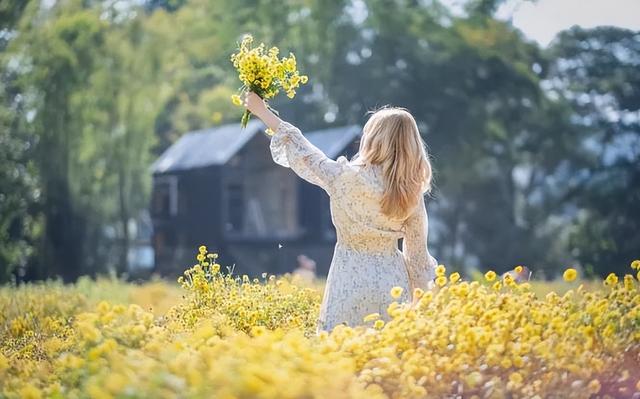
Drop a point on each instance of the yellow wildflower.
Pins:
(515, 378)
(371, 317)
(30, 392)
(396, 292)
(611, 279)
(236, 99)
(262, 72)
(490, 275)
(569, 274)
(440, 270)
(441, 281)
(594, 386)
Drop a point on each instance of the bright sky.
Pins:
(541, 20)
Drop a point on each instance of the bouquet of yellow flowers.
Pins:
(264, 73)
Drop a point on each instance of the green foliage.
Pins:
(597, 71)
(535, 152)
(20, 224)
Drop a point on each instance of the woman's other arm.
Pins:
(420, 264)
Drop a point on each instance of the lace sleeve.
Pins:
(289, 148)
(420, 264)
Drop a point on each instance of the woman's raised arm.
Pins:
(291, 149)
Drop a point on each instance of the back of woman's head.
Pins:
(391, 139)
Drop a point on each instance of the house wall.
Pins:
(270, 197)
(256, 258)
(176, 236)
(280, 216)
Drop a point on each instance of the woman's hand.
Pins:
(258, 107)
(255, 104)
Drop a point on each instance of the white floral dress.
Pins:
(366, 262)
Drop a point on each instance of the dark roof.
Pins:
(200, 148)
(215, 146)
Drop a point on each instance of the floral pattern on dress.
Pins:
(366, 261)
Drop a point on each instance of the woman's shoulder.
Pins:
(358, 174)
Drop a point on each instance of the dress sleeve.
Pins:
(289, 148)
(420, 264)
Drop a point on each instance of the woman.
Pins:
(375, 199)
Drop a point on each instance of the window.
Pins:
(165, 196)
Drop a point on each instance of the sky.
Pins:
(541, 20)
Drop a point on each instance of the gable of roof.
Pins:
(216, 146)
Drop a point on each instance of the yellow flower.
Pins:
(115, 382)
(518, 269)
(261, 71)
(515, 378)
(202, 249)
(371, 317)
(490, 275)
(569, 274)
(396, 292)
(454, 277)
(497, 285)
(237, 320)
(611, 279)
(594, 386)
(441, 281)
(4, 363)
(236, 99)
(30, 392)
(200, 257)
(257, 331)
(635, 264)
(440, 270)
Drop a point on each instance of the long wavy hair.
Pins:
(391, 139)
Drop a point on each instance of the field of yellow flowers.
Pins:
(224, 336)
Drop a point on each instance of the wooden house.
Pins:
(219, 187)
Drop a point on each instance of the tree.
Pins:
(19, 193)
(56, 54)
(596, 70)
(473, 83)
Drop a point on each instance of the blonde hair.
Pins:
(391, 139)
